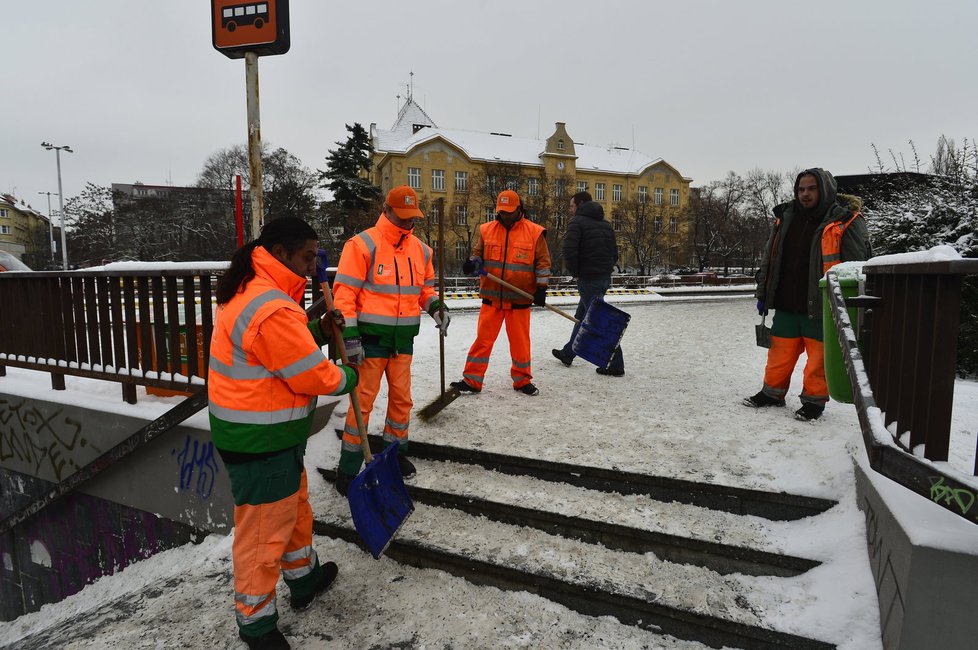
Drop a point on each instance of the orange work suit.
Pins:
(265, 370)
(519, 255)
(384, 279)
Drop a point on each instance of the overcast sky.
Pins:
(136, 89)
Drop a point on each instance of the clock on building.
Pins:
(560, 165)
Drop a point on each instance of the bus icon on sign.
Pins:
(245, 14)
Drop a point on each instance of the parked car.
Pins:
(10, 263)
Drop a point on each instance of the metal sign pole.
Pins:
(254, 144)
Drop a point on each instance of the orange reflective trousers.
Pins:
(272, 535)
(792, 334)
(397, 369)
(491, 321)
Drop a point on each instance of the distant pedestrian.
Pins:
(811, 234)
(514, 249)
(266, 369)
(384, 280)
(590, 252)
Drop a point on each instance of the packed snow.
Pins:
(676, 413)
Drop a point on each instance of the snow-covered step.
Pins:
(599, 526)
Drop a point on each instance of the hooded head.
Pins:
(815, 197)
(591, 209)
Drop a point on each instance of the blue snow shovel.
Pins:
(599, 334)
(379, 501)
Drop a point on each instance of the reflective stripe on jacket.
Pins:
(519, 255)
(266, 367)
(384, 279)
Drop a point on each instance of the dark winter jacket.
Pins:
(590, 249)
(790, 220)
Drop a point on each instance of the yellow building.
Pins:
(24, 232)
(459, 173)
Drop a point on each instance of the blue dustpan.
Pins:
(379, 501)
(600, 333)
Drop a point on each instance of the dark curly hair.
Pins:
(291, 232)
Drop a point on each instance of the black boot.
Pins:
(761, 400)
(273, 640)
(329, 575)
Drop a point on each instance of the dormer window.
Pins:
(417, 127)
(560, 145)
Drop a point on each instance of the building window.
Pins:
(658, 196)
(461, 251)
(491, 184)
(643, 194)
(461, 181)
(438, 180)
(433, 214)
(616, 221)
(513, 184)
(490, 215)
(560, 144)
(559, 187)
(673, 225)
(461, 215)
(533, 187)
(414, 177)
(4, 213)
(559, 219)
(582, 186)
(657, 225)
(616, 192)
(4, 230)
(599, 191)
(673, 197)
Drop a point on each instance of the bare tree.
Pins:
(716, 211)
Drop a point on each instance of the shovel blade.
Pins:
(763, 335)
(600, 333)
(443, 400)
(379, 501)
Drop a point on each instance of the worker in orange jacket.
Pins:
(384, 280)
(266, 368)
(514, 249)
(811, 234)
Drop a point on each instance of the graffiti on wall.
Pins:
(956, 499)
(43, 441)
(198, 466)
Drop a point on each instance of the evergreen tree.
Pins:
(347, 173)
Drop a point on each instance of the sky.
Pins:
(676, 412)
(138, 92)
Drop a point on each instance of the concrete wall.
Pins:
(165, 494)
(925, 562)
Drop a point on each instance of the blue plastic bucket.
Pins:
(600, 333)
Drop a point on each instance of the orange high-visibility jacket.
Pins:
(519, 255)
(266, 366)
(384, 279)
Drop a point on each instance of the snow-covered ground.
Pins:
(675, 413)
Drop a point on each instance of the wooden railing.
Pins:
(904, 373)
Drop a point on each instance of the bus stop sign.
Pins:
(261, 27)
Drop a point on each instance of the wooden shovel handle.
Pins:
(341, 346)
(527, 295)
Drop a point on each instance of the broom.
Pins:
(449, 396)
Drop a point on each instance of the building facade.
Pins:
(458, 174)
(25, 232)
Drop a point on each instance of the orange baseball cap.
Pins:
(507, 201)
(404, 201)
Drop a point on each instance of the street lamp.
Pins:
(61, 198)
(50, 224)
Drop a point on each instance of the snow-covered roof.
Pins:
(502, 148)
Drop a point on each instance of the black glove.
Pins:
(472, 266)
(540, 296)
(761, 309)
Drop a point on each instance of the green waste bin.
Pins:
(835, 367)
